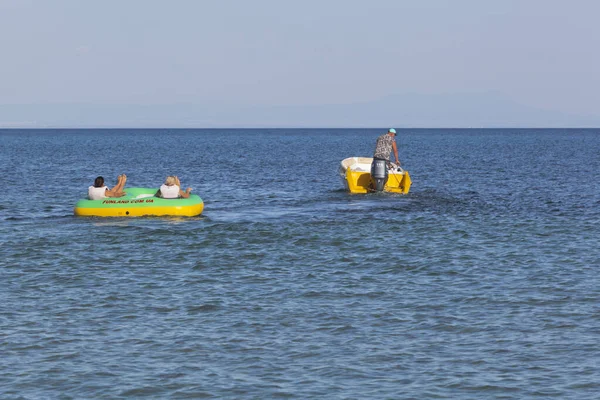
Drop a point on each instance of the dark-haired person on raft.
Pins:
(100, 191)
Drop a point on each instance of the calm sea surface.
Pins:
(483, 282)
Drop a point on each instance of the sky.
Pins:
(212, 63)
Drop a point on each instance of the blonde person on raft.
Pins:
(171, 189)
(100, 191)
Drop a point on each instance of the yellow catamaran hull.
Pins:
(355, 173)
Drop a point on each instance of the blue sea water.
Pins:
(482, 282)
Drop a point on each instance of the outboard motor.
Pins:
(379, 174)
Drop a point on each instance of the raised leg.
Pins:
(120, 183)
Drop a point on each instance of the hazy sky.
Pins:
(538, 53)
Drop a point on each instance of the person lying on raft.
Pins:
(100, 191)
(171, 189)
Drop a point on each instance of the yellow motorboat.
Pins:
(355, 173)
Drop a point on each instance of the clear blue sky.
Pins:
(225, 54)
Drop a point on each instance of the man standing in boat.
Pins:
(379, 168)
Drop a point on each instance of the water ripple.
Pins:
(481, 283)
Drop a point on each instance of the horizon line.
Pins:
(287, 127)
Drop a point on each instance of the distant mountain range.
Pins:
(408, 110)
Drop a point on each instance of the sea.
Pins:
(482, 283)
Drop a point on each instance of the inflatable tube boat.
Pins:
(139, 202)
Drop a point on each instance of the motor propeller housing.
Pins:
(379, 174)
